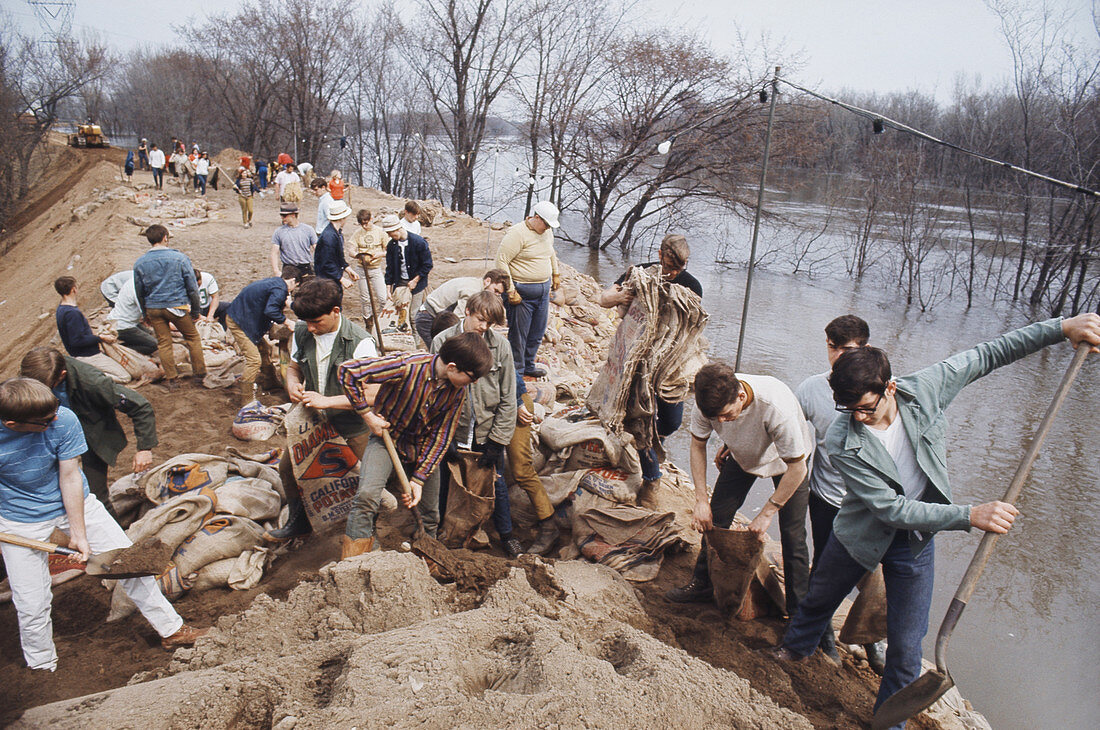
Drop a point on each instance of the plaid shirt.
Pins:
(423, 409)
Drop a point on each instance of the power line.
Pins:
(880, 121)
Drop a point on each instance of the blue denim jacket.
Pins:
(164, 278)
(874, 506)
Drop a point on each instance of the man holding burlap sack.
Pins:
(323, 339)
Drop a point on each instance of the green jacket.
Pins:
(874, 506)
(346, 423)
(94, 398)
(491, 399)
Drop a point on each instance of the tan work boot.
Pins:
(186, 636)
(350, 547)
(647, 495)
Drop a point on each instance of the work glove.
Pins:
(555, 282)
(490, 458)
(514, 298)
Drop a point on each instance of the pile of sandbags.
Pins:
(582, 463)
(206, 514)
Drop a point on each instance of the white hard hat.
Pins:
(548, 212)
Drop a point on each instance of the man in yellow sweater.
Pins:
(527, 253)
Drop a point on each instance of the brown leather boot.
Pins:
(350, 547)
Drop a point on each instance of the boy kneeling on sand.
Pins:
(420, 399)
(42, 487)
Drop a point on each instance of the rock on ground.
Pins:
(376, 642)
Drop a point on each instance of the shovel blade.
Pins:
(99, 566)
(912, 699)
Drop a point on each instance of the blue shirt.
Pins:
(30, 487)
(258, 306)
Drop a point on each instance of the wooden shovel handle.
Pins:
(46, 547)
(402, 477)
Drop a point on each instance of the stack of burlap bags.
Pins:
(209, 512)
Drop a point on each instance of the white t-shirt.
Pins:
(411, 226)
(208, 287)
(323, 204)
(156, 158)
(365, 348)
(127, 312)
(913, 480)
(770, 429)
(285, 178)
(202, 166)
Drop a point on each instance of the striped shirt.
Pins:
(423, 409)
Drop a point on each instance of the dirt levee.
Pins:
(373, 643)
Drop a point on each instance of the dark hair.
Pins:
(716, 386)
(363, 215)
(23, 398)
(497, 276)
(469, 353)
(156, 233)
(411, 206)
(444, 320)
(317, 183)
(317, 297)
(848, 328)
(859, 372)
(43, 364)
(64, 285)
(488, 306)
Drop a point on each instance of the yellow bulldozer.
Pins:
(88, 135)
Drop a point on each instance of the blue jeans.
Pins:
(669, 418)
(158, 176)
(908, 599)
(200, 183)
(527, 324)
(261, 175)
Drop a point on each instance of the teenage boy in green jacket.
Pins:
(94, 398)
(891, 452)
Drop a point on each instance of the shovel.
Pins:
(427, 547)
(98, 565)
(930, 686)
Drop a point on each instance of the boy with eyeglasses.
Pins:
(42, 488)
(890, 448)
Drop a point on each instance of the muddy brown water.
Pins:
(1026, 651)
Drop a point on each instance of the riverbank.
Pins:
(87, 234)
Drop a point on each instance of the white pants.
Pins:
(29, 576)
(377, 282)
(111, 368)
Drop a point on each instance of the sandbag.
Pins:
(224, 536)
(324, 465)
(224, 375)
(182, 473)
(866, 622)
(239, 573)
(630, 539)
(253, 498)
(469, 500)
(257, 422)
(176, 519)
(611, 484)
(140, 367)
(732, 559)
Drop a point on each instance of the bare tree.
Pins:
(464, 53)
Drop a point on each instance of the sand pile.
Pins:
(375, 642)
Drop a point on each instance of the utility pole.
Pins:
(756, 219)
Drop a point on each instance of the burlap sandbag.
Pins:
(177, 519)
(469, 500)
(866, 622)
(732, 559)
(239, 573)
(255, 499)
(225, 536)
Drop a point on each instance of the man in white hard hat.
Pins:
(527, 253)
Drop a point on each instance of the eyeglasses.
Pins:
(867, 410)
(39, 421)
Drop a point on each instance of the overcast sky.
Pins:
(889, 45)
